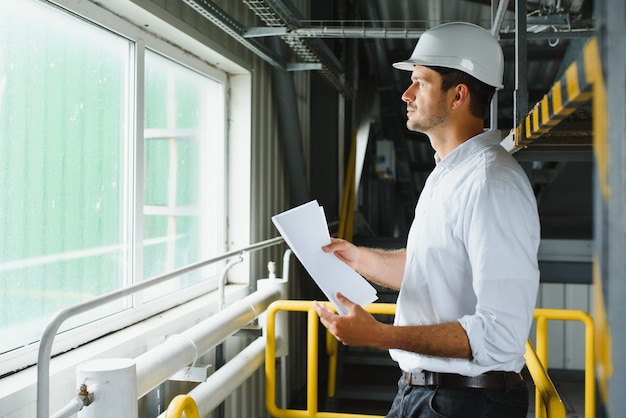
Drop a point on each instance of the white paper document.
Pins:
(305, 230)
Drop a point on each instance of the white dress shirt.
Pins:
(471, 257)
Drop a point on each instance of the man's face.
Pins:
(425, 102)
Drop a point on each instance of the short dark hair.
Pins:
(480, 92)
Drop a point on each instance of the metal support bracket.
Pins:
(198, 373)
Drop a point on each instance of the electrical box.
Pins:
(385, 160)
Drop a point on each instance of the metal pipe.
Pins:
(210, 394)
(395, 33)
(283, 360)
(49, 333)
(495, 31)
(286, 259)
(221, 286)
(499, 17)
(158, 364)
(289, 131)
(69, 409)
(520, 97)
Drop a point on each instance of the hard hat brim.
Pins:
(405, 65)
(409, 65)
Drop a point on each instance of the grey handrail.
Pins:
(49, 333)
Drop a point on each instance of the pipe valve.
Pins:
(84, 394)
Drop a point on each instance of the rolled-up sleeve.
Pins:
(501, 229)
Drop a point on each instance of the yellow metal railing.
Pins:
(542, 316)
(548, 401)
(182, 404)
(312, 360)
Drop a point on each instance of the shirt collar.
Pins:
(467, 148)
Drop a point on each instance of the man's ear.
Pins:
(461, 95)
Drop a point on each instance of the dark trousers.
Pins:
(437, 402)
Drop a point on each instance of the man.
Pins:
(468, 278)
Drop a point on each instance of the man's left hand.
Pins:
(357, 327)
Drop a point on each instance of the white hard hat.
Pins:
(462, 46)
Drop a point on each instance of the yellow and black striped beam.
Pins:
(574, 89)
(583, 82)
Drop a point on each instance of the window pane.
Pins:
(63, 112)
(183, 171)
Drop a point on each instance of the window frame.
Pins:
(143, 40)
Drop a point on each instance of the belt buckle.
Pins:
(419, 378)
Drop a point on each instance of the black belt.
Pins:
(489, 380)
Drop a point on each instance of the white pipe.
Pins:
(286, 258)
(220, 385)
(281, 320)
(51, 329)
(69, 409)
(157, 365)
(283, 360)
(221, 285)
(113, 384)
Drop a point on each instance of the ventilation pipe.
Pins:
(289, 128)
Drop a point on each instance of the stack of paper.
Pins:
(305, 230)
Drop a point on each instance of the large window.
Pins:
(183, 151)
(100, 187)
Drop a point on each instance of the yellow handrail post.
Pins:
(542, 315)
(590, 367)
(312, 358)
(542, 355)
(332, 351)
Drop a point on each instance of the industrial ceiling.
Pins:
(352, 44)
